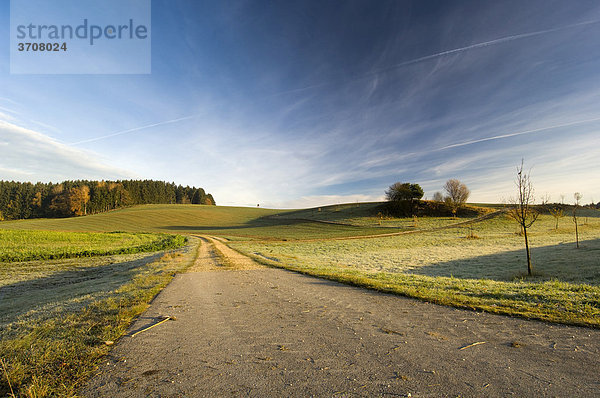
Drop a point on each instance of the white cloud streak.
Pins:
(6, 117)
(488, 43)
(498, 137)
(166, 122)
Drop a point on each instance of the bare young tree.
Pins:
(438, 197)
(522, 210)
(557, 211)
(545, 199)
(458, 193)
(577, 197)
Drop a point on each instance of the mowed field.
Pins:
(233, 222)
(71, 286)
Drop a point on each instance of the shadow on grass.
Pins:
(72, 287)
(278, 228)
(563, 262)
(257, 223)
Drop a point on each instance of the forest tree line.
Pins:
(21, 200)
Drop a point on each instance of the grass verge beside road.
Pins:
(61, 317)
(552, 301)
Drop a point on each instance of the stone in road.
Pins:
(273, 333)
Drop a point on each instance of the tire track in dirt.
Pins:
(207, 259)
(213, 255)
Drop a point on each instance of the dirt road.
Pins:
(262, 332)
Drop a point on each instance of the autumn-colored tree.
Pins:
(85, 197)
(78, 199)
(37, 199)
(209, 200)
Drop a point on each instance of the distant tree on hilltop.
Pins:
(402, 197)
(458, 193)
(404, 191)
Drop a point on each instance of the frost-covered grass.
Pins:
(446, 266)
(496, 252)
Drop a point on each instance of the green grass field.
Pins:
(19, 245)
(371, 214)
(232, 222)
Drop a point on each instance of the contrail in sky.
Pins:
(489, 43)
(376, 163)
(497, 137)
(453, 51)
(134, 129)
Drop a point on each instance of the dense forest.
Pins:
(20, 200)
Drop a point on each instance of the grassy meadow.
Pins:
(70, 287)
(232, 222)
(496, 251)
(371, 214)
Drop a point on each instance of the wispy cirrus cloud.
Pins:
(380, 70)
(6, 116)
(29, 154)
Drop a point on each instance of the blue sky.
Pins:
(302, 103)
